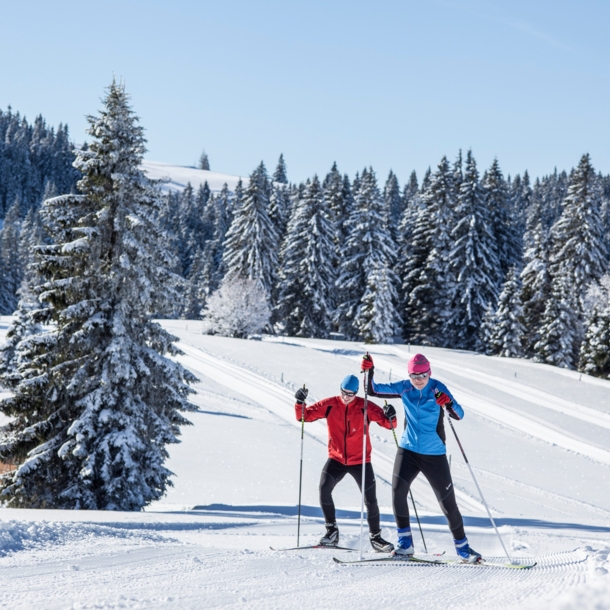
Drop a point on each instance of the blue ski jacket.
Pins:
(424, 424)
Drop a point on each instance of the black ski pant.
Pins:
(332, 473)
(435, 468)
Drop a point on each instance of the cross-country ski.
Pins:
(413, 560)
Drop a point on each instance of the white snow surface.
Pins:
(537, 437)
(176, 177)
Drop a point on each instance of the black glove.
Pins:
(301, 395)
(390, 412)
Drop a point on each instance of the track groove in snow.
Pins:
(218, 556)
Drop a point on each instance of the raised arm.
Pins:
(381, 390)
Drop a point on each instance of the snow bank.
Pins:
(23, 535)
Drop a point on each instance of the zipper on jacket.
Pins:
(419, 421)
(345, 437)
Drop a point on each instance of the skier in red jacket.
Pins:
(345, 418)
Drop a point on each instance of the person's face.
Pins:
(420, 380)
(347, 397)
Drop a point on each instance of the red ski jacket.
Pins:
(345, 423)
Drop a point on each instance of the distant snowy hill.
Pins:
(537, 437)
(176, 177)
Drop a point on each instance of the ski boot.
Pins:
(464, 551)
(331, 538)
(404, 548)
(379, 544)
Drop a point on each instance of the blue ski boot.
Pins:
(465, 552)
(404, 548)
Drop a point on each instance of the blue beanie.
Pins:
(350, 383)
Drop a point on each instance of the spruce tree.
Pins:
(11, 266)
(394, 202)
(279, 207)
(579, 253)
(427, 281)
(368, 257)
(279, 175)
(594, 356)
(536, 284)
(508, 329)
(307, 276)
(95, 401)
(410, 191)
(204, 161)
(474, 263)
(558, 334)
(508, 241)
(251, 244)
(334, 196)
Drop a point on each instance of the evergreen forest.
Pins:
(464, 258)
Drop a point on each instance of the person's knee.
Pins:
(399, 485)
(327, 484)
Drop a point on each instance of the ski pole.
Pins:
(412, 499)
(364, 414)
(301, 469)
(474, 478)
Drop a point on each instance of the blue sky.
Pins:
(388, 84)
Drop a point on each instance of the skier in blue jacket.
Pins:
(422, 449)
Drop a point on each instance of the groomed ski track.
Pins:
(425, 586)
(207, 543)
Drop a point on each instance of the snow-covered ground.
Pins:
(176, 177)
(537, 437)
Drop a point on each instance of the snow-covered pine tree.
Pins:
(486, 331)
(368, 257)
(508, 240)
(279, 175)
(11, 267)
(425, 183)
(204, 161)
(410, 191)
(199, 283)
(307, 275)
(223, 216)
(394, 202)
(348, 200)
(333, 189)
(97, 401)
(207, 269)
(579, 253)
(474, 263)
(414, 249)
(279, 207)
(507, 335)
(558, 333)
(355, 186)
(535, 284)
(251, 244)
(595, 349)
(458, 173)
(377, 317)
(519, 200)
(428, 283)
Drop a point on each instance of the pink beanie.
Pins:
(419, 364)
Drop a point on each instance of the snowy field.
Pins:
(177, 177)
(537, 437)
